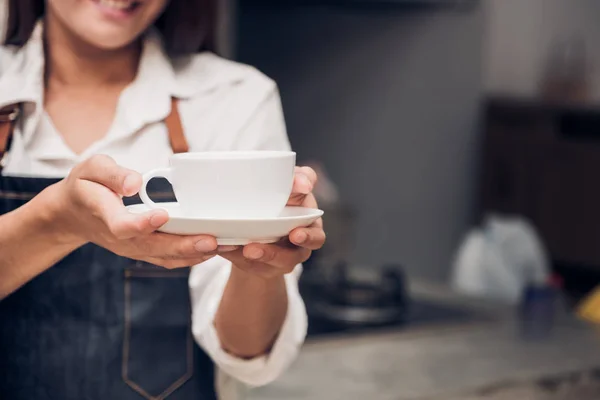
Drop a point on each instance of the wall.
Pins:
(521, 32)
(388, 100)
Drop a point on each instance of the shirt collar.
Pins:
(23, 75)
(147, 99)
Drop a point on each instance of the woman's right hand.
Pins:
(87, 207)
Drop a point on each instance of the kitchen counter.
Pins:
(484, 360)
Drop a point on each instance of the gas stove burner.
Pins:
(356, 315)
(343, 304)
(349, 301)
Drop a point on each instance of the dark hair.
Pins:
(187, 26)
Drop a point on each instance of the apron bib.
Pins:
(98, 326)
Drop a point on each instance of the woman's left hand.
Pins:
(277, 259)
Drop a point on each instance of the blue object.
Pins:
(537, 311)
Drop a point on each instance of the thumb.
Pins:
(105, 171)
(122, 223)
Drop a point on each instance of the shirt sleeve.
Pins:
(263, 130)
(207, 284)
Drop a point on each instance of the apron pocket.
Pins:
(158, 344)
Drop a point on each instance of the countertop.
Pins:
(486, 360)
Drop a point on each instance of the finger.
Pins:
(256, 267)
(173, 264)
(264, 270)
(171, 247)
(277, 255)
(305, 179)
(312, 238)
(105, 171)
(194, 256)
(302, 200)
(309, 173)
(125, 225)
(108, 207)
(221, 250)
(302, 184)
(310, 201)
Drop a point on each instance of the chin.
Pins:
(111, 45)
(110, 40)
(102, 26)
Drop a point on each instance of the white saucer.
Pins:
(235, 231)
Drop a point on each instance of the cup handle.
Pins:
(147, 177)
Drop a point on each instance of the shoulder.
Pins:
(208, 73)
(228, 105)
(9, 55)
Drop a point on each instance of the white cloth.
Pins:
(499, 259)
(224, 106)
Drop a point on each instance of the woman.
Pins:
(94, 303)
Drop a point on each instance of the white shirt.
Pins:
(224, 106)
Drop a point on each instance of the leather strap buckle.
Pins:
(8, 119)
(10, 116)
(3, 160)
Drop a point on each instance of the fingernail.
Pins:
(225, 249)
(301, 237)
(204, 245)
(254, 253)
(156, 220)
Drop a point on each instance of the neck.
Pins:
(70, 61)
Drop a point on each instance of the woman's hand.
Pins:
(255, 301)
(277, 259)
(88, 207)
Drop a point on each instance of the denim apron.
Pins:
(96, 325)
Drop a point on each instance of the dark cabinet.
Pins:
(543, 162)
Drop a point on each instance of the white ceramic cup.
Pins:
(230, 185)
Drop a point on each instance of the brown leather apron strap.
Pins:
(9, 116)
(177, 138)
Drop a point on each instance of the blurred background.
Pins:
(458, 148)
(458, 143)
